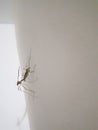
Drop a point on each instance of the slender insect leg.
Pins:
(19, 87)
(32, 81)
(18, 73)
(25, 91)
(29, 90)
(34, 67)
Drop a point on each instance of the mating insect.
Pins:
(25, 76)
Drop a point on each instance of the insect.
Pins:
(25, 75)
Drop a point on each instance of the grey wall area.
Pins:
(63, 38)
(6, 11)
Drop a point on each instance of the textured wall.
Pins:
(63, 37)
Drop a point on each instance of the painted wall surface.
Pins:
(12, 103)
(63, 37)
(6, 11)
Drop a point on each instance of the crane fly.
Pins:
(24, 78)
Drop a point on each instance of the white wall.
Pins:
(63, 37)
(6, 11)
(12, 103)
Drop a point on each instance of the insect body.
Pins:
(20, 82)
(24, 78)
(27, 71)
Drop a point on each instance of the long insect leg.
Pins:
(32, 81)
(25, 91)
(29, 90)
(28, 62)
(18, 74)
(19, 87)
(34, 68)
